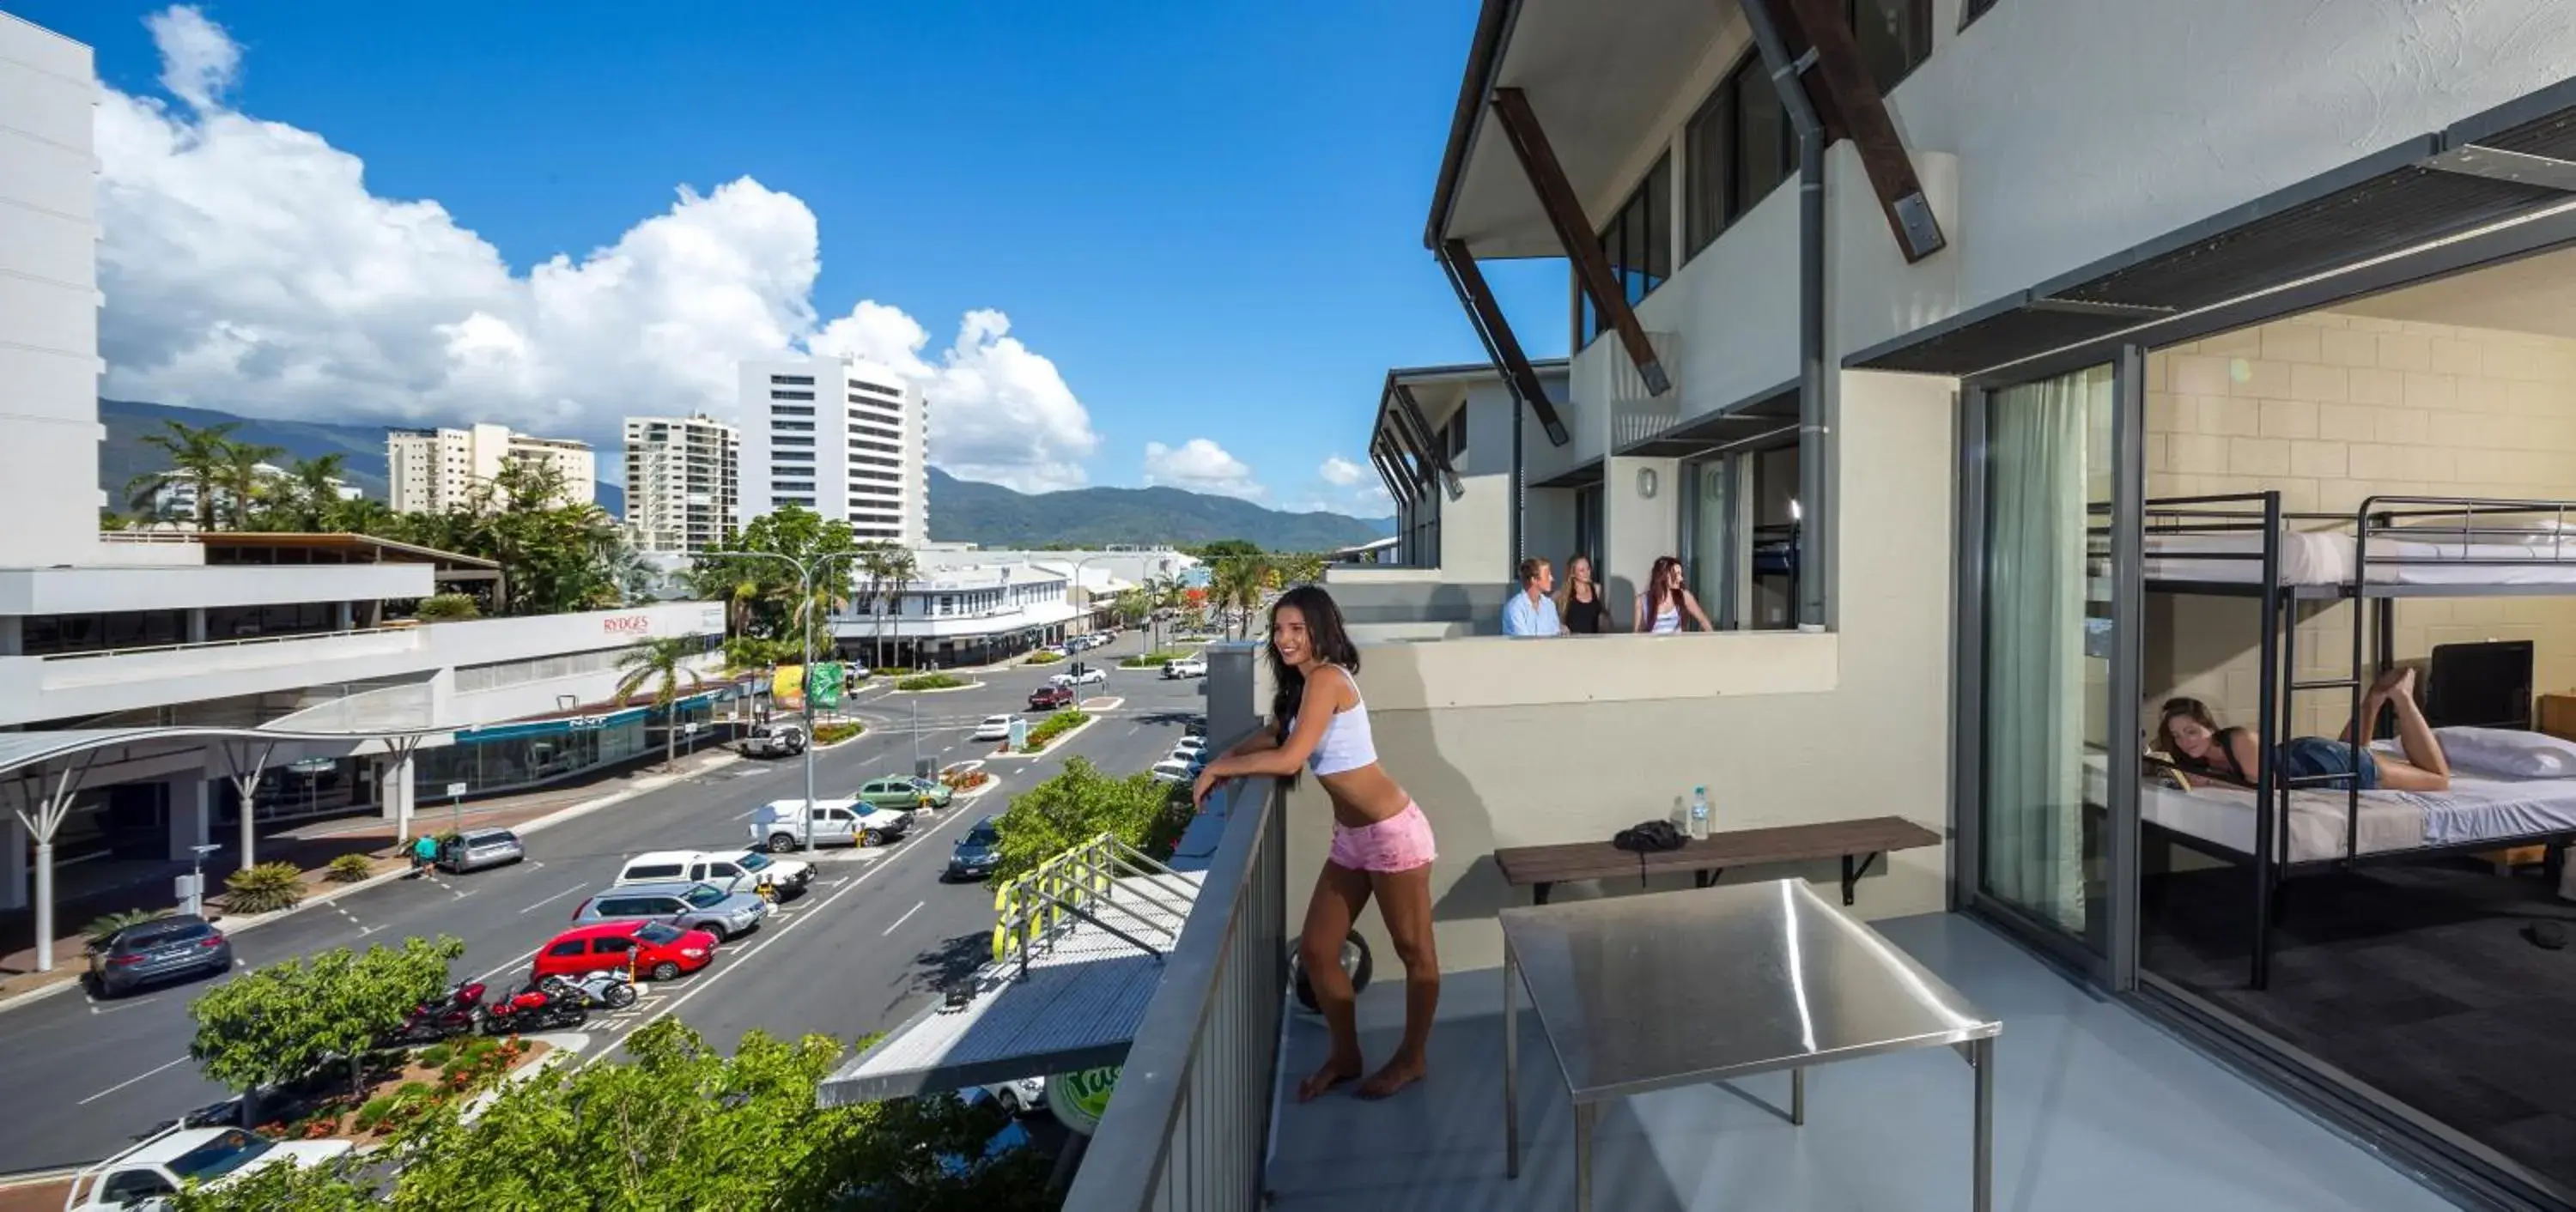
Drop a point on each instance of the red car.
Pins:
(1049, 698)
(651, 948)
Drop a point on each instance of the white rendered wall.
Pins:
(49, 299)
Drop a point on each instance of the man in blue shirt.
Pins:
(1531, 612)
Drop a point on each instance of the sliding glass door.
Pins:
(2045, 740)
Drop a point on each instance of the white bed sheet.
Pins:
(2327, 558)
(2475, 809)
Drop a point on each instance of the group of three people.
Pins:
(1541, 607)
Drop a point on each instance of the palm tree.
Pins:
(241, 477)
(659, 664)
(1238, 584)
(901, 570)
(309, 499)
(199, 458)
(871, 569)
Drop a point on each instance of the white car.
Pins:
(1088, 677)
(1176, 770)
(1021, 1097)
(1186, 667)
(1191, 749)
(994, 728)
(783, 825)
(148, 1174)
(731, 870)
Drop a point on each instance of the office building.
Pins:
(841, 437)
(435, 470)
(682, 483)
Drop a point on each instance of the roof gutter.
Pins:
(1484, 57)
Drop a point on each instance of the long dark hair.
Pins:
(2182, 709)
(1660, 591)
(1324, 634)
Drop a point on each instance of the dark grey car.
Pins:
(179, 945)
(689, 906)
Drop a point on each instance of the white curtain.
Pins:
(2035, 701)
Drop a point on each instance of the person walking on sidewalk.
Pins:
(424, 854)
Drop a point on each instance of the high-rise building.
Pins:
(49, 297)
(435, 470)
(841, 437)
(682, 487)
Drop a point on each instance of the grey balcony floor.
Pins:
(2095, 1108)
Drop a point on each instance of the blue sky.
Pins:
(1206, 217)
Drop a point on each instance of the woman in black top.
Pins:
(1578, 604)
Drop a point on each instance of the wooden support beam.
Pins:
(1500, 344)
(1853, 105)
(1410, 411)
(1574, 232)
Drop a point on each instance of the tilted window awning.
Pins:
(2516, 161)
(1765, 420)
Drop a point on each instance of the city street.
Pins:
(860, 950)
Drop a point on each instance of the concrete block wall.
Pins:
(2329, 409)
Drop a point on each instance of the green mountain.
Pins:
(968, 511)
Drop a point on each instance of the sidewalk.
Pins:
(86, 891)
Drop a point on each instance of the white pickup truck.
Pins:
(782, 825)
(147, 1175)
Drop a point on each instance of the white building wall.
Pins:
(682, 481)
(867, 447)
(435, 470)
(49, 298)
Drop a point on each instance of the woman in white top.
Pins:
(1666, 599)
(1381, 841)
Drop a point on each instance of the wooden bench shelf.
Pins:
(1857, 843)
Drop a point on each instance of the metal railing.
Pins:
(1189, 1126)
(1031, 911)
(248, 641)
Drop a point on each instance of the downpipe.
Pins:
(1815, 411)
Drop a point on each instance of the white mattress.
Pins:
(2474, 810)
(2326, 558)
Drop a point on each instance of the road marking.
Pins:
(556, 897)
(708, 977)
(127, 1082)
(907, 916)
(486, 978)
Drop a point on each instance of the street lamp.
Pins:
(805, 570)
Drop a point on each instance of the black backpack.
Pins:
(1648, 837)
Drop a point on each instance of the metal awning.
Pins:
(1764, 420)
(2512, 163)
(1580, 475)
(19, 750)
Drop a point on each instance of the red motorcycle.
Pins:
(536, 1008)
(453, 1013)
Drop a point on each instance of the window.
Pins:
(570, 948)
(1894, 36)
(612, 946)
(791, 395)
(1639, 241)
(891, 393)
(791, 410)
(1972, 10)
(1739, 150)
(793, 426)
(792, 456)
(1458, 433)
(792, 380)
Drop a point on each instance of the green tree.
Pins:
(1080, 804)
(199, 459)
(307, 499)
(1237, 583)
(660, 665)
(765, 593)
(298, 1016)
(1226, 549)
(244, 487)
(558, 553)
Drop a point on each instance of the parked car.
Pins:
(644, 948)
(1044, 698)
(904, 793)
(1193, 748)
(148, 1174)
(182, 944)
(1176, 770)
(975, 854)
(731, 870)
(776, 739)
(1021, 1097)
(476, 849)
(1058, 650)
(782, 825)
(1186, 667)
(1075, 681)
(998, 727)
(680, 903)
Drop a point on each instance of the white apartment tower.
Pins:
(49, 298)
(841, 437)
(435, 470)
(682, 486)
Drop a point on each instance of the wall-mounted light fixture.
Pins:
(1646, 482)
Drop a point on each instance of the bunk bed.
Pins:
(2245, 545)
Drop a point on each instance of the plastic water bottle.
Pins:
(1699, 813)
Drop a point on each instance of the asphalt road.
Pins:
(863, 948)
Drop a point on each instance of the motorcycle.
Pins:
(606, 987)
(453, 1013)
(536, 1008)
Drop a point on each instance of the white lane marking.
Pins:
(708, 977)
(128, 1082)
(486, 978)
(907, 916)
(556, 897)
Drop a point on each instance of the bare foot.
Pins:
(1337, 1070)
(2405, 683)
(1400, 1072)
(2388, 681)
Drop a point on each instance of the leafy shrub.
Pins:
(964, 780)
(104, 928)
(930, 681)
(1054, 726)
(446, 608)
(350, 868)
(1045, 658)
(894, 671)
(264, 889)
(826, 734)
(372, 1115)
(1081, 804)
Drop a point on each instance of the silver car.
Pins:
(476, 849)
(678, 903)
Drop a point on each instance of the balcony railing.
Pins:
(1190, 1124)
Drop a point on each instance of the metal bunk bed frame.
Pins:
(2278, 685)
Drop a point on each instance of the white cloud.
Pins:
(1200, 465)
(247, 266)
(1339, 472)
(1347, 488)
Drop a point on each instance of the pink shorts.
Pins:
(1399, 843)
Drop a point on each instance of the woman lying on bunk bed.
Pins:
(2186, 730)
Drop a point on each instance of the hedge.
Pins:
(1054, 726)
(930, 681)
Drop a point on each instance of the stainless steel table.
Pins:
(1639, 993)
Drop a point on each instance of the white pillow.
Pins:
(2508, 752)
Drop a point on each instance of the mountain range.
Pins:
(961, 511)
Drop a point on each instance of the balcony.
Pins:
(2095, 1107)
